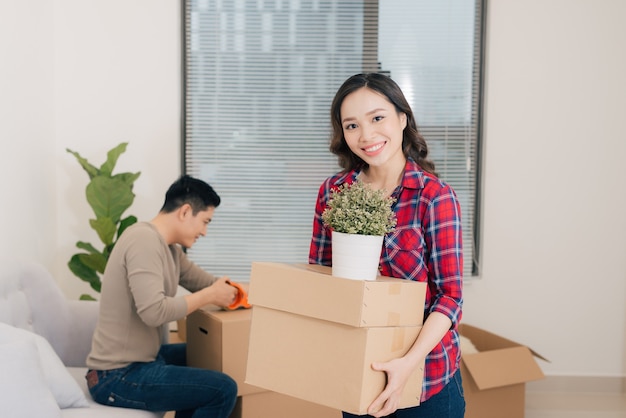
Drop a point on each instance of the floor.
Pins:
(590, 399)
(555, 403)
(556, 397)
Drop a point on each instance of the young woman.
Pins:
(376, 139)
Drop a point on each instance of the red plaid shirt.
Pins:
(425, 246)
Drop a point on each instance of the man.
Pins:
(129, 366)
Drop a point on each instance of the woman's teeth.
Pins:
(374, 148)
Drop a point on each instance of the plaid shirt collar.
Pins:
(413, 177)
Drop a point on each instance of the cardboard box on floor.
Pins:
(325, 362)
(276, 405)
(494, 379)
(181, 326)
(311, 290)
(218, 340)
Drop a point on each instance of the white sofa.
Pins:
(44, 377)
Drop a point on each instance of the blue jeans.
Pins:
(449, 403)
(166, 384)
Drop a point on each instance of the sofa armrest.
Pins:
(83, 318)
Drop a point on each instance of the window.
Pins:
(259, 79)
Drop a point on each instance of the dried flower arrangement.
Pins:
(358, 209)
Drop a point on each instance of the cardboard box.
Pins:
(276, 405)
(181, 326)
(494, 379)
(218, 340)
(311, 290)
(325, 362)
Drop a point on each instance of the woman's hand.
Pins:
(398, 372)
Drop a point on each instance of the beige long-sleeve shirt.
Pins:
(138, 297)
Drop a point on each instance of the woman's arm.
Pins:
(399, 370)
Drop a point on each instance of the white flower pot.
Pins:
(356, 256)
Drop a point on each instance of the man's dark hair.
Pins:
(198, 194)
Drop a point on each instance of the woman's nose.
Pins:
(367, 131)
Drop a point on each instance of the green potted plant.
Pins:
(359, 218)
(109, 195)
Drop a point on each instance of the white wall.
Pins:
(88, 75)
(27, 173)
(117, 79)
(554, 253)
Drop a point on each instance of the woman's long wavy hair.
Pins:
(413, 143)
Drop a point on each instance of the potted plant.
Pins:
(359, 218)
(109, 195)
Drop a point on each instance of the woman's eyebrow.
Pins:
(351, 118)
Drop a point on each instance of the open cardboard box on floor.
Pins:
(311, 290)
(494, 378)
(325, 362)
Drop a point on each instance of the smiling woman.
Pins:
(375, 134)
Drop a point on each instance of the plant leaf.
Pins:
(96, 262)
(86, 246)
(105, 227)
(107, 167)
(83, 272)
(91, 170)
(128, 178)
(109, 197)
(125, 223)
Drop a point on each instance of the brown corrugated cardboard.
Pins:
(181, 325)
(311, 290)
(326, 362)
(494, 379)
(276, 405)
(218, 340)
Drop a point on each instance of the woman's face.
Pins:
(372, 127)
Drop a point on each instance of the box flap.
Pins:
(485, 340)
(502, 367)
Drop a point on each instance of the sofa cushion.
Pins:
(24, 391)
(61, 384)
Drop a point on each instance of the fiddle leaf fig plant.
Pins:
(109, 195)
(358, 209)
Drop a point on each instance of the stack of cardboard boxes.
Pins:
(315, 336)
(305, 348)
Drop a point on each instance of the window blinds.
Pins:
(259, 79)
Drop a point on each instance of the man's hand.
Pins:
(220, 293)
(223, 293)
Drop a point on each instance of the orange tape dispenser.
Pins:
(241, 300)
